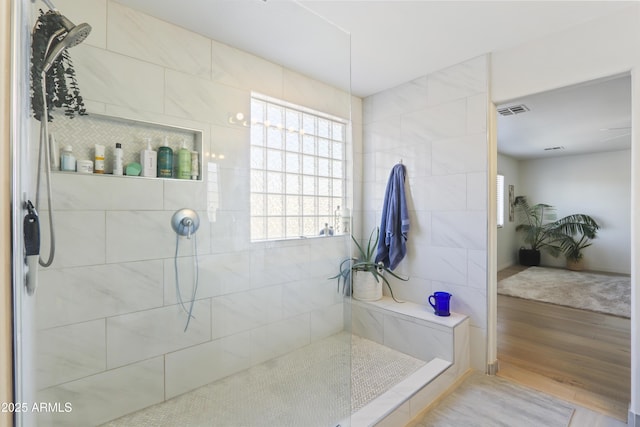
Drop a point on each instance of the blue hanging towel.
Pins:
(394, 226)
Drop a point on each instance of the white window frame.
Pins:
(297, 171)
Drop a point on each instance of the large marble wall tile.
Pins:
(277, 265)
(204, 100)
(446, 193)
(368, 324)
(80, 238)
(138, 35)
(477, 191)
(438, 122)
(100, 398)
(307, 295)
(382, 134)
(180, 194)
(477, 268)
(443, 264)
(464, 154)
(477, 115)
(461, 348)
(279, 338)
(105, 76)
(93, 12)
(460, 229)
(459, 81)
(233, 184)
(143, 235)
(314, 94)
(230, 231)
(327, 321)
(74, 192)
(463, 300)
(244, 311)
(405, 98)
(70, 352)
(138, 336)
(217, 275)
(233, 144)
(416, 340)
(75, 295)
(240, 69)
(416, 289)
(204, 363)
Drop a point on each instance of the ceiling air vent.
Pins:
(513, 110)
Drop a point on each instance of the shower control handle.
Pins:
(185, 222)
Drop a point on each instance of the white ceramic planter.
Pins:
(365, 286)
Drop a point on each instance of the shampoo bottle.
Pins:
(67, 159)
(184, 162)
(195, 165)
(117, 160)
(99, 159)
(165, 160)
(148, 160)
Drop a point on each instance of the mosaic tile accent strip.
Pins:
(304, 388)
(83, 132)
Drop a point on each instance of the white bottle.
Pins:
(117, 160)
(54, 153)
(149, 160)
(67, 159)
(195, 165)
(98, 166)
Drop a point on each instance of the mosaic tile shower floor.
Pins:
(302, 388)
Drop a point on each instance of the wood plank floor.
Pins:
(578, 355)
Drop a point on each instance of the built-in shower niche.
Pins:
(82, 133)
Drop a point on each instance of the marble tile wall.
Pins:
(111, 336)
(437, 125)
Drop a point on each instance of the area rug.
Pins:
(603, 293)
(489, 401)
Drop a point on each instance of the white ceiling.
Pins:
(586, 118)
(392, 42)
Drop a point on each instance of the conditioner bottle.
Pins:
(165, 160)
(184, 162)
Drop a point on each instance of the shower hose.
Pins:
(195, 274)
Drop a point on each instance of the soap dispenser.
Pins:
(184, 161)
(148, 160)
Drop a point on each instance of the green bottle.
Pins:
(184, 162)
(165, 160)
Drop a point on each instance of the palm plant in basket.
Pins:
(542, 231)
(578, 230)
(353, 268)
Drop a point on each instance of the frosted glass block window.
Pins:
(297, 170)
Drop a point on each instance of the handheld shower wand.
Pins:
(65, 36)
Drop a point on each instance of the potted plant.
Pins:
(556, 236)
(532, 224)
(572, 246)
(361, 276)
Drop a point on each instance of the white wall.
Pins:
(600, 48)
(598, 185)
(506, 236)
(111, 337)
(437, 125)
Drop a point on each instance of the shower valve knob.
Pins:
(185, 222)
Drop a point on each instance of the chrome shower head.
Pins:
(74, 35)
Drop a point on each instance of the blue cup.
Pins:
(440, 303)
